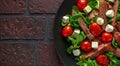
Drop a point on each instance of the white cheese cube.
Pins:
(109, 28)
(65, 19)
(76, 32)
(100, 21)
(87, 9)
(110, 13)
(76, 52)
(94, 44)
(112, 1)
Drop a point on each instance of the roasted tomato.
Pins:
(107, 37)
(67, 31)
(86, 46)
(103, 60)
(95, 29)
(81, 4)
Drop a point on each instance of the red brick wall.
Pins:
(26, 35)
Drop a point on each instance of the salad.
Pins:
(92, 32)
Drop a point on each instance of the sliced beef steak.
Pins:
(104, 6)
(85, 29)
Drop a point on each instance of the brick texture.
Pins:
(44, 6)
(22, 27)
(12, 6)
(47, 55)
(23, 22)
(15, 54)
(50, 24)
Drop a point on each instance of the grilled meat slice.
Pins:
(117, 37)
(115, 8)
(85, 29)
(92, 14)
(104, 6)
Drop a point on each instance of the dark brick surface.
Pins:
(50, 24)
(12, 6)
(44, 6)
(15, 54)
(47, 54)
(24, 21)
(22, 27)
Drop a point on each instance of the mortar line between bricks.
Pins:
(27, 7)
(22, 15)
(35, 53)
(46, 31)
(16, 41)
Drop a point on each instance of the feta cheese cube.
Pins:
(87, 9)
(94, 44)
(109, 28)
(100, 21)
(76, 32)
(110, 13)
(76, 52)
(112, 1)
(65, 19)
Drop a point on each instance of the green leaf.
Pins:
(72, 39)
(94, 4)
(63, 24)
(110, 54)
(118, 17)
(110, 20)
(75, 9)
(70, 49)
(83, 34)
(114, 43)
(114, 61)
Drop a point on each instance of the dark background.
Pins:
(26, 33)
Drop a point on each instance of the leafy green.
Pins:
(86, 62)
(114, 43)
(70, 49)
(118, 14)
(110, 20)
(74, 18)
(118, 17)
(75, 40)
(75, 9)
(63, 24)
(94, 4)
(94, 18)
(114, 61)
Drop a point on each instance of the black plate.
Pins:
(60, 44)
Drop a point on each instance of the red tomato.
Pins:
(95, 29)
(103, 60)
(86, 46)
(67, 31)
(107, 37)
(81, 4)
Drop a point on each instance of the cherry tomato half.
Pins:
(95, 29)
(107, 37)
(86, 46)
(81, 4)
(67, 31)
(103, 60)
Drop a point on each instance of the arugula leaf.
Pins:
(75, 40)
(63, 24)
(118, 17)
(114, 43)
(75, 9)
(86, 62)
(70, 49)
(114, 61)
(94, 4)
(110, 20)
